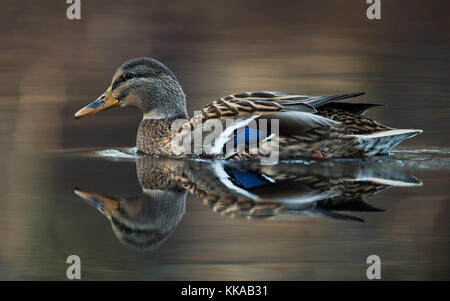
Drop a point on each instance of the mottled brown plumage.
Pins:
(317, 126)
(154, 136)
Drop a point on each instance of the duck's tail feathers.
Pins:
(383, 142)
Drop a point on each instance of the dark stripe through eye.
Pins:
(122, 79)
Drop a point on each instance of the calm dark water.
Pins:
(148, 228)
(125, 223)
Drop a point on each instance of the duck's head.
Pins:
(146, 84)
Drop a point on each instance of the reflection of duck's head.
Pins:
(144, 222)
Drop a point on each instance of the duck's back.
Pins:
(339, 129)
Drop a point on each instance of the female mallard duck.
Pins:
(318, 127)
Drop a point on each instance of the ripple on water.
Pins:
(115, 154)
(415, 158)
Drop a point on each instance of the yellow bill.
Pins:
(105, 204)
(105, 101)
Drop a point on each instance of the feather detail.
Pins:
(353, 108)
(255, 103)
(323, 100)
(293, 122)
(307, 125)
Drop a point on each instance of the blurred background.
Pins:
(51, 66)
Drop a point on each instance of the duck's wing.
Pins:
(255, 103)
(318, 101)
(333, 102)
(295, 114)
(352, 107)
(267, 103)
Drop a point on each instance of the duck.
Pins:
(274, 125)
(285, 191)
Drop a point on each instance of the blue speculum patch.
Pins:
(249, 136)
(247, 179)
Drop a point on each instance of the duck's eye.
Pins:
(129, 75)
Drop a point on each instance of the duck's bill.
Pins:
(105, 101)
(105, 204)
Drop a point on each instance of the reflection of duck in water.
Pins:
(250, 190)
(290, 190)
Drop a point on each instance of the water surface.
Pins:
(320, 220)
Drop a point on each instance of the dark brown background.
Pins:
(217, 48)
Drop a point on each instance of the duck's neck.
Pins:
(154, 136)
